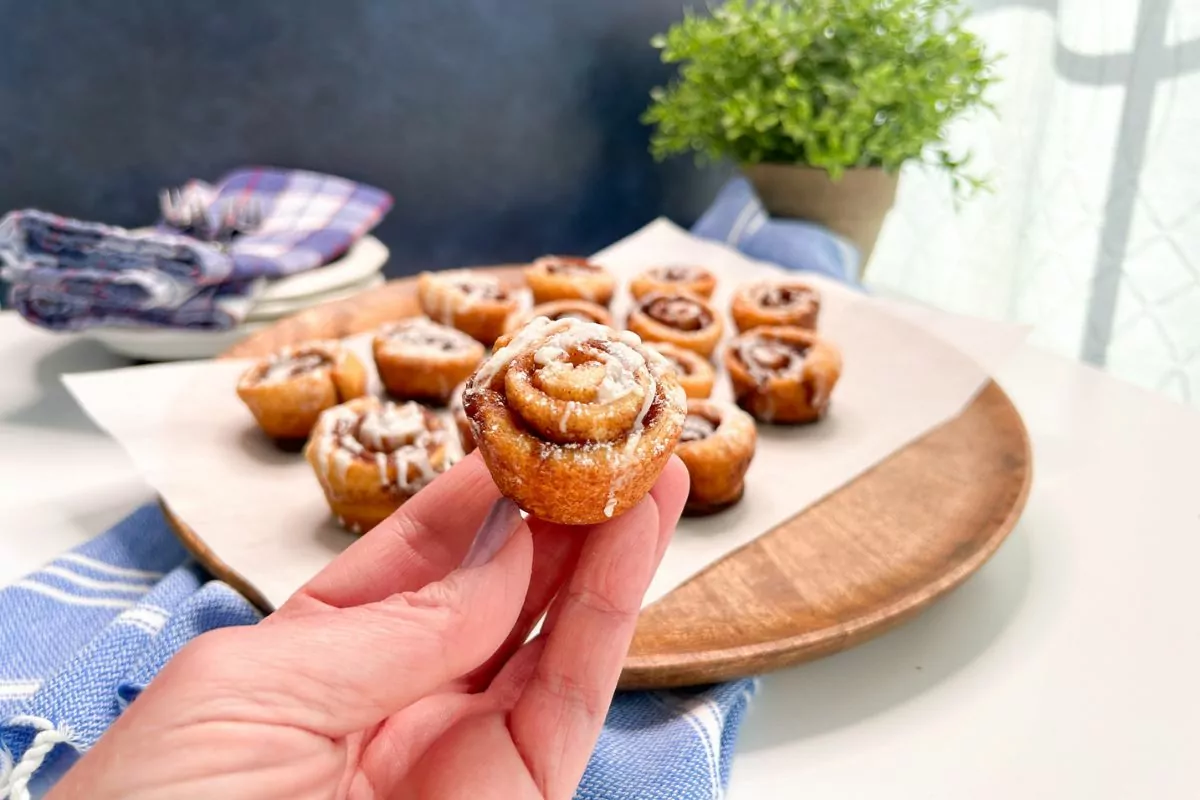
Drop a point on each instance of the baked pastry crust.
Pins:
(574, 420)
(674, 278)
(475, 303)
(288, 390)
(372, 456)
(782, 374)
(569, 278)
(772, 303)
(677, 318)
(465, 435)
(716, 446)
(694, 372)
(419, 359)
(560, 309)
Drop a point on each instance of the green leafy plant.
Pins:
(832, 84)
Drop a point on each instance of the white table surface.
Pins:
(1066, 668)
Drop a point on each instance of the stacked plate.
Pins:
(361, 268)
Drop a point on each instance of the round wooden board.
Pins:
(866, 558)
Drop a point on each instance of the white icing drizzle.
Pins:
(392, 436)
(675, 274)
(781, 295)
(552, 340)
(755, 351)
(292, 361)
(425, 337)
(566, 417)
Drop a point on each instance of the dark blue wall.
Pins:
(504, 128)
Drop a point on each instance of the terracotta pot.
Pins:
(853, 206)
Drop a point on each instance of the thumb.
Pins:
(338, 670)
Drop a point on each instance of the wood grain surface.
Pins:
(868, 557)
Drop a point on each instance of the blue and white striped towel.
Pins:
(80, 638)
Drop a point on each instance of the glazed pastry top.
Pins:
(563, 265)
(292, 362)
(425, 335)
(677, 274)
(783, 295)
(402, 440)
(767, 357)
(697, 427)
(472, 285)
(677, 311)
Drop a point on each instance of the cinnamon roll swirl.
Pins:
(694, 373)
(371, 456)
(560, 309)
(574, 420)
(419, 359)
(677, 318)
(474, 303)
(568, 278)
(716, 446)
(287, 391)
(782, 374)
(695, 280)
(784, 302)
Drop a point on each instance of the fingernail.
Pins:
(499, 525)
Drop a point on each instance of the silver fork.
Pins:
(185, 211)
(237, 217)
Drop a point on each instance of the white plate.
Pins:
(171, 344)
(364, 259)
(358, 270)
(266, 310)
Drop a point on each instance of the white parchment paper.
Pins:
(262, 512)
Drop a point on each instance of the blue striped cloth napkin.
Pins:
(119, 606)
(69, 274)
(82, 637)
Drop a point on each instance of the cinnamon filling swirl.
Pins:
(783, 296)
(407, 444)
(285, 366)
(681, 313)
(766, 358)
(697, 428)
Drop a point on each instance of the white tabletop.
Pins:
(1065, 668)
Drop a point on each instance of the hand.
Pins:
(402, 669)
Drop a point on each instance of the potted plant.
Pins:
(820, 102)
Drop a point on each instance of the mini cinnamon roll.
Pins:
(782, 374)
(716, 446)
(784, 302)
(560, 309)
(694, 373)
(287, 391)
(371, 456)
(677, 318)
(568, 278)
(474, 303)
(695, 280)
(574, 420)
(465, 434)
(418, 359)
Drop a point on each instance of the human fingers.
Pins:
(341, 670)
(421, 543)
(558, 717)
(556, 550)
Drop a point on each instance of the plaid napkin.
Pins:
(69, 274)
(119, 606)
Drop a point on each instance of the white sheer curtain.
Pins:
(1092, 234)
